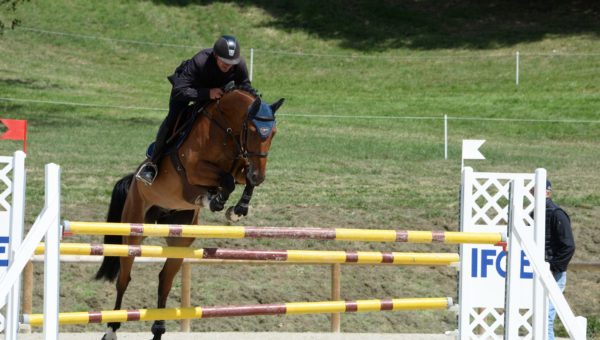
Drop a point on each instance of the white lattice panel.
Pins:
(5, 209)
(5, 183)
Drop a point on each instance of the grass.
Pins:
(360, 141)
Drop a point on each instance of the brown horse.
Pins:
(228, 143)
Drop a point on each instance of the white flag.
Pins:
(470, 148)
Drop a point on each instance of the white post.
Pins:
(251, 63)
(17, 218)
(466, 207)
(517, 69)
(511, 309)
(446, 137)
(540, 309)
(52, 254)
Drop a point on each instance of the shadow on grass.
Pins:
(41, 116)
(26, 83)
(428, 24)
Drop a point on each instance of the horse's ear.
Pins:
(275, 106)
(253, 109)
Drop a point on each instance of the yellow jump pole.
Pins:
(294, 256)
(338, 234)
(245, 310)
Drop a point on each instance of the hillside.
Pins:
(360, 140)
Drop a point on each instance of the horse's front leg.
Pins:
(236, 212)
(165, 282)
(227, 185)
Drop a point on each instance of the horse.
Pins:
(227, 143)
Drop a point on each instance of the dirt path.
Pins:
(246, 336)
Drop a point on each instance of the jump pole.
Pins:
(235, 232)
(322, 307)
(294, 256)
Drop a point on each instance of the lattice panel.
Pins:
(491, 199)
(485, 323)
(525, 322)
(5, 183)
(488, 323)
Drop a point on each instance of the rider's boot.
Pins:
(149, 170)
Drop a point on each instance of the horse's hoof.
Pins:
(231, 216)
(109, 335)
(158, 329)
(241, 209)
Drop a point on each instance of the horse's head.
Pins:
(259, 130)
(258, 127)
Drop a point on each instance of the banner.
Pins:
(16, 129)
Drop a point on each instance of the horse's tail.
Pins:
(111, 265)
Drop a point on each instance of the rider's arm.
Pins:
(186, 78)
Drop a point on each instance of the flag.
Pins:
(470, 148)
(16, 129)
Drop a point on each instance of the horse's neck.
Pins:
(233, 107)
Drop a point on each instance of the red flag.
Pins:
(16, 129)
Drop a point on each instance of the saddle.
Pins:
(182, 129)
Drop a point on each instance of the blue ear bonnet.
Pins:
(264, 120)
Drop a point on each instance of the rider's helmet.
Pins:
(227, 48)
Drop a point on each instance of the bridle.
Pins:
(241, 143)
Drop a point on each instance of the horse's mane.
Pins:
(248, 88)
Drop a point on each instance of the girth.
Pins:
(191, 193)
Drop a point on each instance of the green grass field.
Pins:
(360, 138)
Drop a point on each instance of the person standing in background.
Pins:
(560, 247)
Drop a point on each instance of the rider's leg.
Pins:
(149, 170)
(161, 139)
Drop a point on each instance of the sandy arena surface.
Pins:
(245, 336)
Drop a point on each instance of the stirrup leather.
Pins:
(143, 173)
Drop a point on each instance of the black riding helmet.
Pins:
(227, 48)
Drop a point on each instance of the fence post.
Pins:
(517, 68)
(52, 253)
(17, 218)
(511, 309)
(540, 309)
(251, 63)
(186, 283)
(445, 137)
(336, 274)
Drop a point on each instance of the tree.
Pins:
(8, 9)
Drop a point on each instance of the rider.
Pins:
(198, 80)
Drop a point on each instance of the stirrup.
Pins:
(147, 173)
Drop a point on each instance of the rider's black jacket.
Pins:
(194, 78)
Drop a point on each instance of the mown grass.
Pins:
(360, 141)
